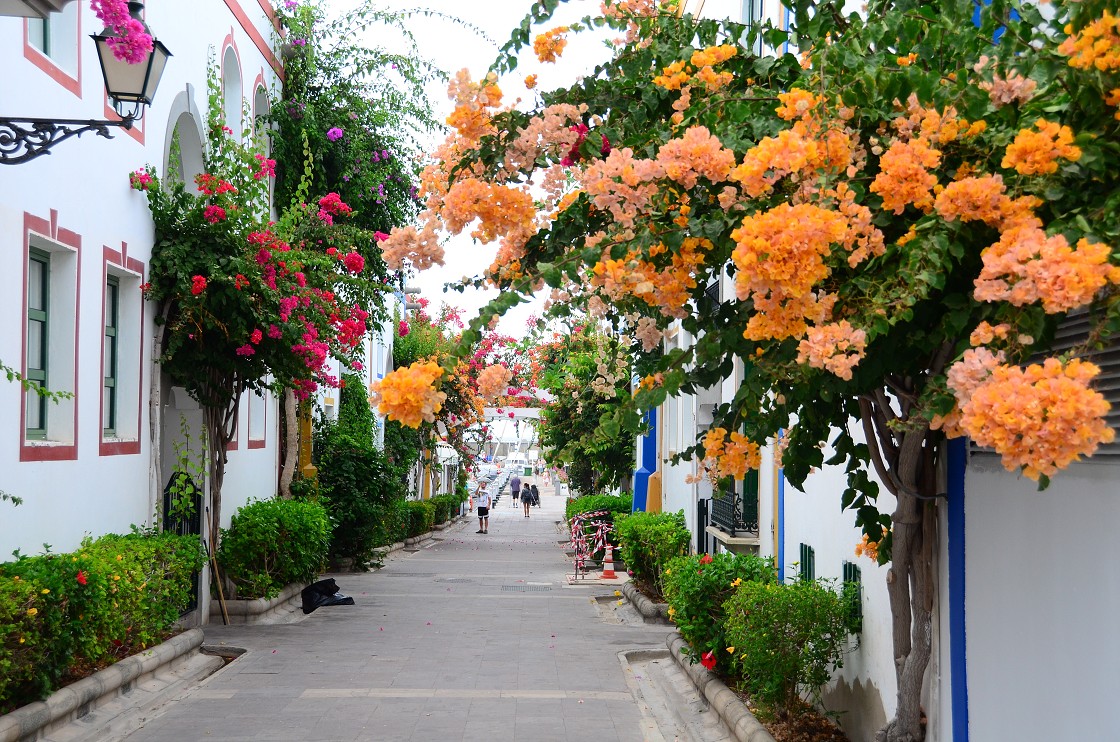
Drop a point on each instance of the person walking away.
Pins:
(526, 497)
(536, 494)
(514, 488)
(483, 505)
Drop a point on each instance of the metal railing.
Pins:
(734, 513)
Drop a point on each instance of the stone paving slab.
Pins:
(471, 636)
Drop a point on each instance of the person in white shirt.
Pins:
(483, 505)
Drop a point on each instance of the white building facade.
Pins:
(77, 241)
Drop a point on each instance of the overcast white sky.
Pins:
(452, 47)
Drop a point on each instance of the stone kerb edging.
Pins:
(253, 611)
(65, 704)
(658, 612)
(728, 706)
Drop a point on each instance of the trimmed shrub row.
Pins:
(63, 612)
(647, 541)
(272, 543)
(774, 640)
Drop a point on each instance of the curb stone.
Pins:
(724, 702)
(651, 612)
(258, 610)
(80, 700)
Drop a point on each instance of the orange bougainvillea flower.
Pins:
(1041, 418)
(1038, 152)
(1096, 46)
(408, 395)
(904, 177)
(549, 45)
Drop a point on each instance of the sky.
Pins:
(452, 47)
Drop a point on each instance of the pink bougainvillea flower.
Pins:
(245, 350)
(198, 285)
(139, 180)
(511, 415)
(708, 660)
(268, 167)
(402, 329)
(256, 337)
(214, 214)
(380, 236)
(335, 133)
(353, 262)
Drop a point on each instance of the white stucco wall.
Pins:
(83, 187)
(1042, 603)
(865, 687)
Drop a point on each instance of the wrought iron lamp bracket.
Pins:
(22, 140)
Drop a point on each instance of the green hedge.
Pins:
(787, 638)
(647, 541)
(113, 597)
(447, 507)
(421, 517)
(271, 543)
(697, 587)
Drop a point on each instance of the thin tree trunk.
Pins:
(910, 578)
(291, 444)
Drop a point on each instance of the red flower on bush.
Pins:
(256, 337)
(511, 415)
(82, 577)
(140, 180)
(268, 167)
(402, 329)
(198, 285)
(353, 262)
(214, 214)
(706, 559)
(708, 659)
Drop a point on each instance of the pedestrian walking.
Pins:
(536, 494)
(514, 488)
(526, 497)
(483, 505)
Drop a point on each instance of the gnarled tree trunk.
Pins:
(291, 444)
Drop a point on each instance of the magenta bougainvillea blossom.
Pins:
(132, 43)
(335, 133)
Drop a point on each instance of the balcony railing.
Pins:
(735, 513)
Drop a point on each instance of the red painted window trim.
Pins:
(258, 40)
(257, 442)
(47, 65)
(121, 258)
(47, 451)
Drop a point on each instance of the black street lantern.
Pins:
(130, 86)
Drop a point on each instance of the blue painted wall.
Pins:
(647, 462)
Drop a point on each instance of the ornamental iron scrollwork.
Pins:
(22, 140)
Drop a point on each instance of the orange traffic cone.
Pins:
(608, 564)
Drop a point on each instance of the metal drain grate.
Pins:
(525, 588)
(454, 579)
(408, 574)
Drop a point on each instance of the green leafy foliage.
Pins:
(273, 543)
(446, 506)
(785, 639)
(696, 588)
(360, 490)
(648, 541)
(113, 597)
(590, 503)
(421, 517)
(355, 416)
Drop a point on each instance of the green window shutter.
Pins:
(38, 337)
(112, 324)
(853, 585)
(807, 566)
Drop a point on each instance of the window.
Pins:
(56, 37)
(110, 355)
(50, 308)
(853, 591)
(232, 101)
(752, 19)
(807, 569)
(38, 325)
(122, 321)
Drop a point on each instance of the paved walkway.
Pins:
(469, 637)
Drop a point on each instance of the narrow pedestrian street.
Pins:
(467, 637)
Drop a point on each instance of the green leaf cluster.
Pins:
(273, 543)
(648, 541)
